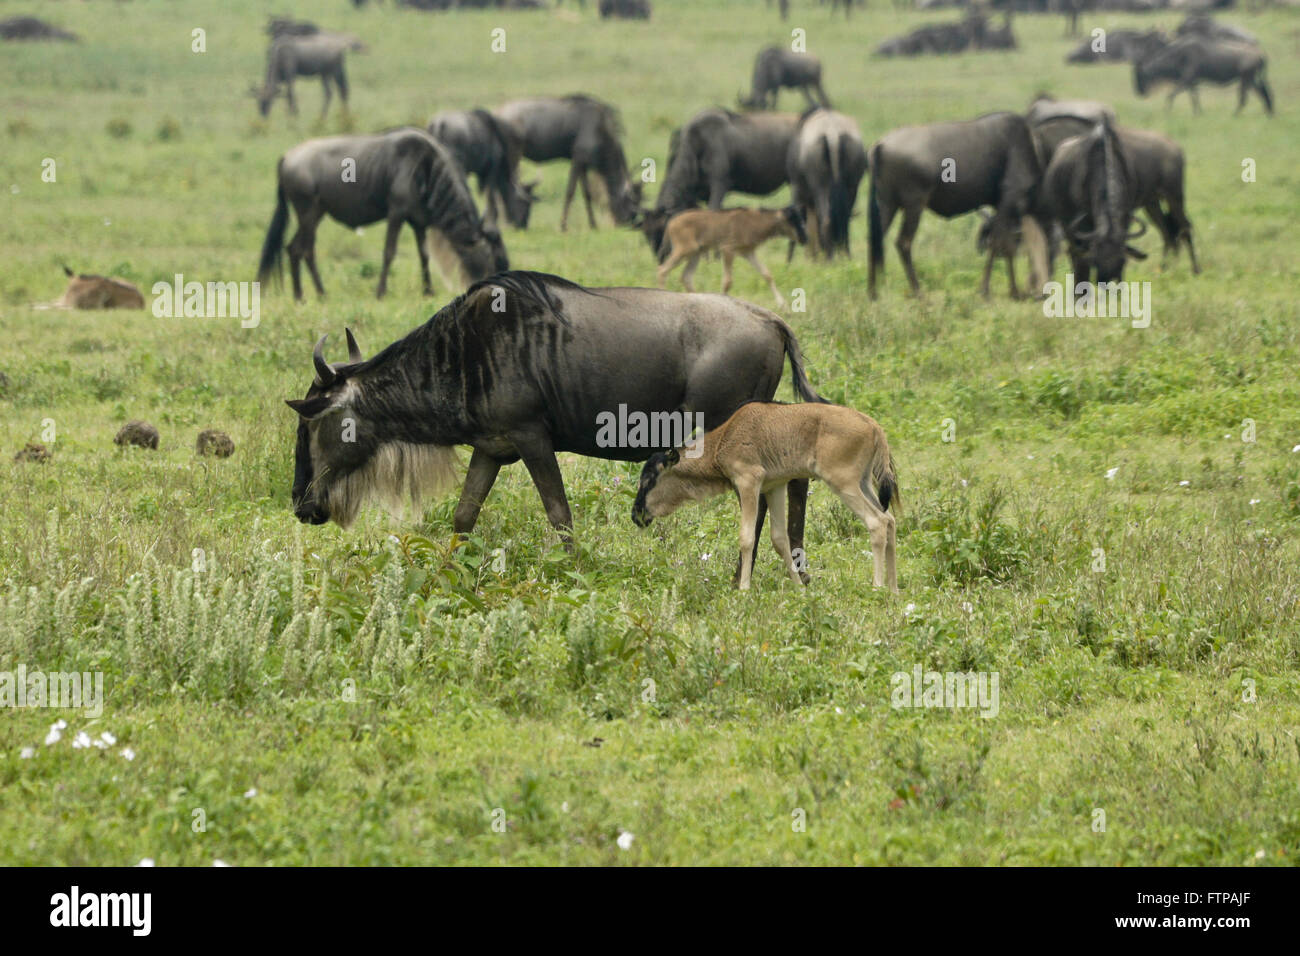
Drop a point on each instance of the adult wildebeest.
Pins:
(483, 146)
(1201, 24)
(625, 9)
(777, 67)
(1088, 189)
(951, 169)
(30, 28)
(826, 163)
(718, 151)
(289, 27)
(316, 54)
(1117, 46)
(1190, 60)
(584, 131)
(402, 176)
(543, 375)
(937, 38)
(1155, 161)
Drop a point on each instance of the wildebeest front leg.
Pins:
(288, 95)
(479, 478)
(539, 458)
(988, 274)
(586, 197)
(568, 195)
(325, 85)
(424, 258)
(390, 250)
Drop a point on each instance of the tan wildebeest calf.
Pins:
(98, 292)
(764, 446)
(732, 232)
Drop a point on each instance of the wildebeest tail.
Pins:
(839, 192)
(875, 227)
(803, 388)
(273, 245)
(884, 475)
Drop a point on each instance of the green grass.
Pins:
(389, 693)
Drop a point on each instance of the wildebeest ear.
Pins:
(1135, 253)
(309, 408)
(673, 457)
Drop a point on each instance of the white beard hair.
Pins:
(443, 254)
(400, 476)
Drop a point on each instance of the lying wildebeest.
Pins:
(316, 54)
(544, 375)
(402, 176)
(718, 151)
(484, 147)
(98, 292)
(732, 232)
(1204, 25)
(951, 169)
(937, 38)
(1088, 189)
(1190, 60)
(30, 28)
(1155, 161)
(1117, 46)
(761, 448)
(289, 27)
(625, 9)
(777, 67)
(986, 37)
(826, 164)
(584, 131)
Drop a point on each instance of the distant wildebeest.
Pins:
(1191, 60)
(1088, 189)
(542, 376)
(971, 32)
(625, 9)
(1203, 25)
(716, 152)
(1117, 46)
(761, 448)
(30, 28)
(401, 176)
(289, 27)
(826, 164)
(584, 131)
(484, 147)
(731, 232)
(956, 168)
(777, 67)
(316, 54)
(1155, 161)
(98, 292)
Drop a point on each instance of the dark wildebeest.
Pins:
(1088, 189)
(1203, 25)
(289, 27)
(544, 375)
(483, 146)
(1192, 59)
(826, 164)
(936, 38)
(951, 169)
(625, 9)
(1155, 161)
(777, 67)
(718, 151)
(584, 131)
(30, 28)
(316, 54)
(1117, 46)
(402, 176)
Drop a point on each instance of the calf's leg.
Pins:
(780, 540)
(748, 489)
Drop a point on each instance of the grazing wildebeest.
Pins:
(543, 375)
(826, 164)
(98, 292)
(402, 176)
(1088, 189)
(625, 9)
(732, 232)
(289, 27)
(951, 169)
(316, 54)
(777, 67)
(1155, 161)
(718, 151)
(1204, 25)
(30, 28)
(483, 146)
(1190, 60)
(584, 131)
(758, 450)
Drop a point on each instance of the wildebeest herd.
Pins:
(523, 364)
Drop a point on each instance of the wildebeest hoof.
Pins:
(805, 577)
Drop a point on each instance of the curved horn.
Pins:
(354, 350)
(324, 371)
(1141, 227)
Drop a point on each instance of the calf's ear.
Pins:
(309, 408)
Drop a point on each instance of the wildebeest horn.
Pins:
(354, 350)
(1141, 229)
(324, 371)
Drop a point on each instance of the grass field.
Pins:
(388, 695)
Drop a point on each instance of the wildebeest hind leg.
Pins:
(906, 233)
(758, 536)
(479, 478)
(780, 537)
(325, 85)
(390, 250)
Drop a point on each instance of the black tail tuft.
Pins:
(273, 246)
